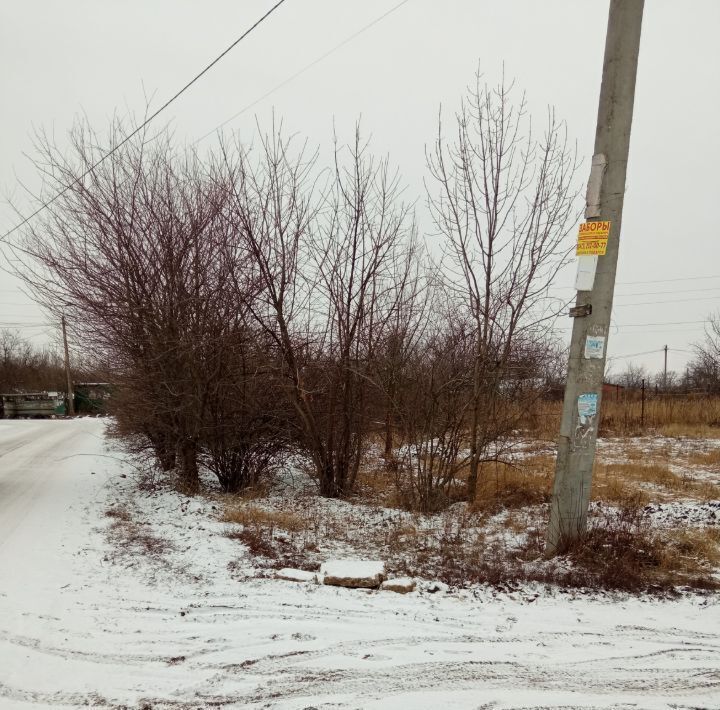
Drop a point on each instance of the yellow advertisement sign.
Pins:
(593, 238)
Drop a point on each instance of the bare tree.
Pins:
(405, 330)
(361, 258)
(633, 376)
(327, 260)
(135, 254)
(433, 413)
(25, 368)
(704, 368)
(504, 201)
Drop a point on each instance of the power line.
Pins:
(25, 324)
(647, 325)
(662, 293)
(662, 331)
(648, 293)
(144, 123)
(674, 300)
(294, 76)
(670, 322)
(623, 357)
(660, 281)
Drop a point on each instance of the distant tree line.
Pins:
(249, 301)
(24, 368)
(701, 375)
(703, 371)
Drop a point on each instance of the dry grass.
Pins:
(705, 458)
(616, 482)
(263, 532)
(258, 542)
(690, 431)
(614, 490)
(637, 453)
(645, 476)
(500, 485)
(379, 483)
(250, 516)
(118, 513)
(513, 487)
(621, 550)
(617, 555)
(499, 538)
(670, 415)
(691, 552)
(130, 538)
(516, 523)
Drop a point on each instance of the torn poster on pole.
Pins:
(587, 406)
(594, 347)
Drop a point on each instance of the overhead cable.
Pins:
(298, 73)
(154, 115)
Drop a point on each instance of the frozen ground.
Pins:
(156, 608)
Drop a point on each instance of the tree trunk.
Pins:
(189, 478)
(165, 453)
(328, 484)
(473, 476)
(388, 436)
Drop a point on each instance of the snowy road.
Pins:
(79, 626)
(26, 449)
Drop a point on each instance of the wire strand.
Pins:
(298, 73)
(59, 194)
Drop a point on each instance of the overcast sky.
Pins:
(99, 57)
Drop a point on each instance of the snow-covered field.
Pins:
(154, 607)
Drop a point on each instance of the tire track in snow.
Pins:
(297, 680)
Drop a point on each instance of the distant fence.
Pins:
(659, 409)
(628, 412)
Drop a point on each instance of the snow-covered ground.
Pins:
(153, 606)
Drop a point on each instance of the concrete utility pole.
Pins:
(596, 278)
(665, 371)
(71, 403)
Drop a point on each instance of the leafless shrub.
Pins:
(136, 254)
(703, 371)
(258, 541)
(504, 202)
(325, 264)
(433, 417)
(120, 253)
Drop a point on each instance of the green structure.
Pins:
(32, 405)
(91, 397)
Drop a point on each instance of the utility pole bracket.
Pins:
(580, 311)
